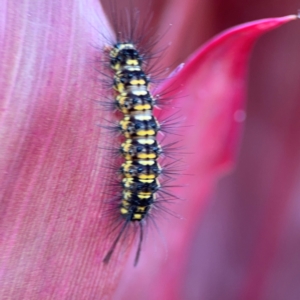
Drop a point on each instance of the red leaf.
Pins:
(214, 78)
(52, 178)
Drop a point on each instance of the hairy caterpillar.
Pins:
(139, 189)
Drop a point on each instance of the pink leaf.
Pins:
(214, 79)
(53, 183)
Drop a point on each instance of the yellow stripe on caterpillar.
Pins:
(141, 208)
(137, 82)
(137, 217)
(143, 195)
(123, 211)
(132, 62)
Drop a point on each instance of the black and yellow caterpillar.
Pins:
(139, 127)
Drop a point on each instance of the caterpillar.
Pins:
(140, 148)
